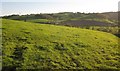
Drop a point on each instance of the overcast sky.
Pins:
(54, 6)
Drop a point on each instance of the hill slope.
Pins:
(31, 45)
(63, 17)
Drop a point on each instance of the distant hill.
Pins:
(106, 22)
(111, 15)
(82, 23)
(29, 45)
(108, 17)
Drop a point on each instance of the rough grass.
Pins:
(40, 21)
(31, 45)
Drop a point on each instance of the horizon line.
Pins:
(53, 13)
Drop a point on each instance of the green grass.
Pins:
(40, 20)
(30, 45)
(101, 20)
(98, 20)
(113, 30)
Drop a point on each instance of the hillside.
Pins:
(41, 46)
(111, 15)
(105, 22)
(57, 18)
(83, 23)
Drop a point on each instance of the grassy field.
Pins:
(107, 21)
(40, 46)
(40, 21)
